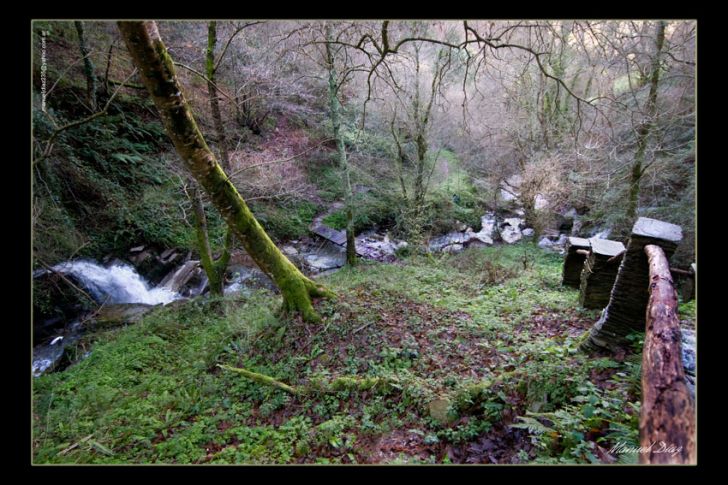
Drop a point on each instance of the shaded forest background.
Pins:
(568, 121)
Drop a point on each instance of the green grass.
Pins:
(491, 345)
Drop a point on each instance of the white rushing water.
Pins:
(115, 284)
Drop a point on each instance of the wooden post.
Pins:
(667, 415)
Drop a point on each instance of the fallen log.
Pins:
(342, 383)
(667, 415)
(261, 379)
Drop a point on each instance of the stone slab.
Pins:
(337, 237)
(579, 242)
(606, 247)
(653, 228)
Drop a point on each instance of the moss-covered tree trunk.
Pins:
(334, 107)
(643, 132)
(88, 66)
(419, 189)
(212, 94)
(157, 71)
(215, 270)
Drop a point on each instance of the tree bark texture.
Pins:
(212, 94)
(215, 270)
(643, 133)
(88, 66)
(667, 415)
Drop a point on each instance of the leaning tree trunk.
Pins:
(157, 71)
(667, 414)
(88, 66)
(643, 133)
(341, 150)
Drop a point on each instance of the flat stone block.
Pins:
(653, 228)
(606, 247)
(579, 242)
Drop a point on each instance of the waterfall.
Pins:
(119, 283)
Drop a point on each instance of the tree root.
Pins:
(297, 295)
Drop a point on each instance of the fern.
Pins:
(126, 158)
(533, 425)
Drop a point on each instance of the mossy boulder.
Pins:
(118, 314)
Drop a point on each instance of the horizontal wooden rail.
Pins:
(682, 272)
(667, 416)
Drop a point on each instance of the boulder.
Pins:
(528, 232)
(140, 257)
(326, 257)
(576, 228)
(478, 240)
(509, 188)
(453, 248)
(117, 314)
(545, 243)
(47, 357)
(170, 256)
(689, 347)
(439, 243)
(488, 223)
(149, 264)
(601, 233)
(541, 202)
(179, 277)
(372, 245)
(245, 278)
(289, 250)
(516, 222)
(510, 231)
(440, 410)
